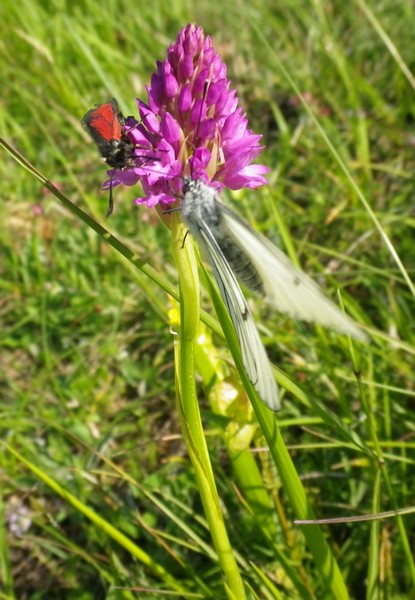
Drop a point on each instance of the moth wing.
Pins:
(286, 287)
(103, 123)
(254, 356)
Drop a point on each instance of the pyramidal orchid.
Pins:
(191, 125)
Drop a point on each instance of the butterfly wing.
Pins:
(286, 287)
(254, 356)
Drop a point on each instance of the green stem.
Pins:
(188, 406)
(293, 487)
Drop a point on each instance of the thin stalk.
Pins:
(188, 407)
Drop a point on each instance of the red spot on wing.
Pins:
(105, 120)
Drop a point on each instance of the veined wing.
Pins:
(286, 287)
(254, 356)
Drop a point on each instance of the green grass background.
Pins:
(86, 352)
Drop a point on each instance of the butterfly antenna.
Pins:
(196, 138)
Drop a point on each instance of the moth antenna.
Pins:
(110, 199)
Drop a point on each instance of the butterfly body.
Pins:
(210, 211)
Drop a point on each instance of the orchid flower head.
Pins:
(191, 125)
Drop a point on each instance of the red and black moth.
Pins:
(105, 124)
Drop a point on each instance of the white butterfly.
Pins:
(234, 249)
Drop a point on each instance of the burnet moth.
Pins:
(105, 124)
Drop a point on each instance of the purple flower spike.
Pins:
(191, 126)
